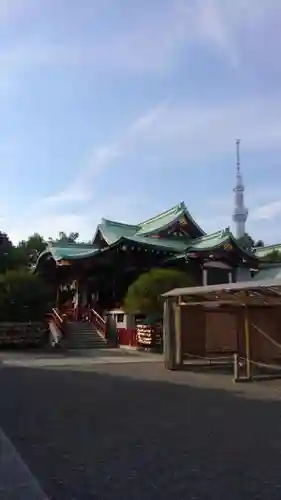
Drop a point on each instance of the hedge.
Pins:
(23, 297)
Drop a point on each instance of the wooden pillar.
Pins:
(113, 289)
(58, 297)
(84, 295)
(205, 277)
(77, 301)
(236, 367)
(169, 336)
(178, 337)
(247, 344)
(110, 329)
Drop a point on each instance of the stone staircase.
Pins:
(82, 335)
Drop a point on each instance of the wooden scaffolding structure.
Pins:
(255, 309)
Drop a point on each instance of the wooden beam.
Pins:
(232, 303)
(209, 303)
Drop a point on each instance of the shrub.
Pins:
(144, 295)
(23, 297)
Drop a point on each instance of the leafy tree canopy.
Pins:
(6, 248)
(35, 243)
(23, 296)
(144, 295)
(248, 243)
(27, 251)
(65, 238)
(273, 256)
(259, 243)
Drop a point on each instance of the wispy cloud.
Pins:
(178, 131)
(103, 158)
(154, 39)
(50, 225)
(82, 195)
(11, 10)
(190, 131)
(268, 211)
(149, 42)
(233, 29)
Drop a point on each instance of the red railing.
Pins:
(57, 326)
(67, 312)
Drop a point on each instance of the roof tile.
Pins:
(261, 252)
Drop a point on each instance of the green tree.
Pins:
(27, 251)
(6, 252)
(144, 295)
(273, 256)
(65, 238)
(259, 243)
(23, 296)
(34, 243)
(246, 242)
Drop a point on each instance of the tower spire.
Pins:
(237, 156)
(240, 213)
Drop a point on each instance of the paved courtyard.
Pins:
(131, 430)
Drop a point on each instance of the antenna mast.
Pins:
(238, 156)
(240, 213)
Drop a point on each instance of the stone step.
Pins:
(94, 344)
(90, 344)
(83, 335)
(85, 332)
(85, 346)
(86, 340)
(86, 335)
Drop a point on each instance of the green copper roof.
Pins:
(165, 219)
(116, 233)
(215, 240)
(113, 231)
(70, 251)
(143, 234)
(76, 251)
(211, 240)
(261, 252)
(161, 243)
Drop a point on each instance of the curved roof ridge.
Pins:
(273, 245)
(116, 223)
(262, 252)
(176, 208)
(220, 233)
(65, 244)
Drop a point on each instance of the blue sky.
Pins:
(123, 108)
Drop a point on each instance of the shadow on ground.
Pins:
(140, 432)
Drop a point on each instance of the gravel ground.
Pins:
(135, 431)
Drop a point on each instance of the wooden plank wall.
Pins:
(222, 331)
